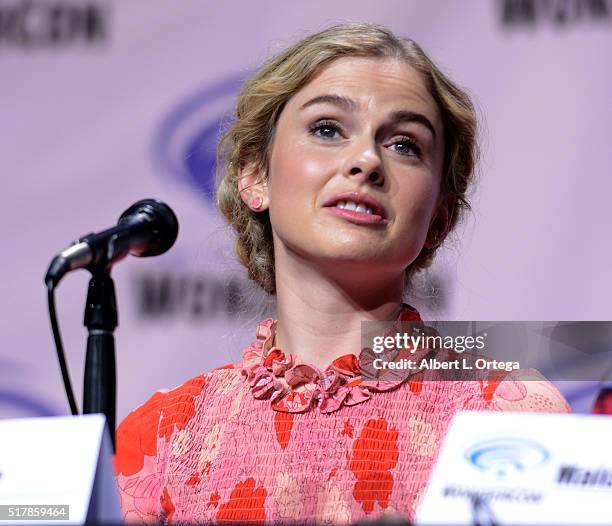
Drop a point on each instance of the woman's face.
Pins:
(355, 167)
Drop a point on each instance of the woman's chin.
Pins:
(359, 261)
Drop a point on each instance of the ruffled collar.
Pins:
(296, 387)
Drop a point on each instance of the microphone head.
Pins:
(160, 220)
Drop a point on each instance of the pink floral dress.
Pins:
(273, 440)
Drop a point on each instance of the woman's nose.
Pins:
(365, 163)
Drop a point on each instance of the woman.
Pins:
(347, 166)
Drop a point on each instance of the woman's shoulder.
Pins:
(164, 413)
(526, 390)
(518, 390)
(473, 381)
(174, 399)
(146, 433)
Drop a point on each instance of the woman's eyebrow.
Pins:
(411, 116)
(343, 102)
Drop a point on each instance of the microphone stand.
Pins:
(100, 391)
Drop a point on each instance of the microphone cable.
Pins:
(60, 348)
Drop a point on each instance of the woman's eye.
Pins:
(325, 130)
(407, 146)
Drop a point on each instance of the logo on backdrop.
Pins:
(557, 13)
(506, 455)
(30, 24)
(185, 144)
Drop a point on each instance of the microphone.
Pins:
(147, 228)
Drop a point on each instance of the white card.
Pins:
(522, 468)
(55, 461)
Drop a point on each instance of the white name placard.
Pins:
(522, 468)
(57, 470)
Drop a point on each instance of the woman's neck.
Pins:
(320, 314)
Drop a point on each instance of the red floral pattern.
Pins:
(283, 422)
(374, 454)
(180, 406)
(137, 436)
(234, 510)
(167, 505)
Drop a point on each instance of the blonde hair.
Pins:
(261, 100)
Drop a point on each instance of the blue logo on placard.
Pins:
(506, 455)
(184, 146)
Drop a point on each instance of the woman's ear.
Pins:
(441, 221)
(253, 188)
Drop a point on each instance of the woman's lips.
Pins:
(359, 218)
(358, 198)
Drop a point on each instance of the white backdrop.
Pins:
(93, 122)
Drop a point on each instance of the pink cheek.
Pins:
(296, 168)
(421, 199)
(315, 167)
